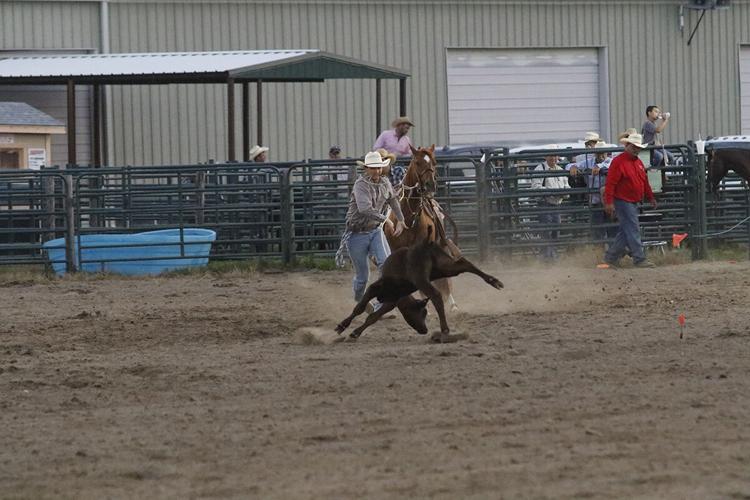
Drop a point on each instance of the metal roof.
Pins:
(20, 113)
(190, 67)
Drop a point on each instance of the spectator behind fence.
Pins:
(627, 184)
(576, 168)
(396, 140)
(258, 154)
(655, 123)
(551, 203)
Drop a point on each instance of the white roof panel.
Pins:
(141, 64)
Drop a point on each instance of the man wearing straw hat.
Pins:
(626, 186)
(364, 220)
(258, 154)
(396, 140)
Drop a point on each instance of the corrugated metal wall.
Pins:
(649, 62)
(39, 26)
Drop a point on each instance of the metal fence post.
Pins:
(483, 209)
(70, 224)
(200, 180)
(287, 217)
(699, 247)
(48, 203)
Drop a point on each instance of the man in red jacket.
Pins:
(627, 184)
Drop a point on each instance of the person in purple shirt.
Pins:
(396, 142)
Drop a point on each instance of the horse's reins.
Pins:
(425, 203)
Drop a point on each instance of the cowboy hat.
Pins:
(591, 136)
(374, 160)
(386, 155)
(627, 132)
(402, 119)
(256, 150)
(635, 140)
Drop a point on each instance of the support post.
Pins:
(200, 217)
(96, 126)
(699, 246)
(48, 204)
(378, 106)
(70, 225)
(402, 96)
(482, 205)
(71, 123)
(259, 111)
(231, 149)
(245, 121)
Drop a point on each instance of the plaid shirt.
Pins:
(397, 175)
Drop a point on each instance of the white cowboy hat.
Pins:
(374, 160)
(635, 140)
(591, 136)
(256, 150)
(600, 145)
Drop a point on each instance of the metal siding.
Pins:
(648, 63)
(744, 65)
(43, 25)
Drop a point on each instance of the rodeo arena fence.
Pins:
(292, 210)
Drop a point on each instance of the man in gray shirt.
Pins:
(655, 123)
(364, 233)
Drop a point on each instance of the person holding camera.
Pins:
(655, 123)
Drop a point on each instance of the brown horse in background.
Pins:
(721, 161)
(423, 222)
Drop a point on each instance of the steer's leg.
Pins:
(454, 268)
(359, 308)
(372, 318)
(436, 297)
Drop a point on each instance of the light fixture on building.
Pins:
(703, 6)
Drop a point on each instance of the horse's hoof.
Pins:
(339, 329)
(454, 307)
(352, 337)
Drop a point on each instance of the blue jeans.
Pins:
(549, 252)
(362, 245)
(628, 234)
(657, 157)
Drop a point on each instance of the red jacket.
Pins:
(627, 180)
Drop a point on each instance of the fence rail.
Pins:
(297, 209)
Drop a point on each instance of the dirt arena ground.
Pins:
(573, 383)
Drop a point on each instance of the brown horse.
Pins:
(423, 222)
(721, 161)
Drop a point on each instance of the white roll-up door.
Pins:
(521, 95)
(745, 89)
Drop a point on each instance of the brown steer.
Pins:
(404, 272)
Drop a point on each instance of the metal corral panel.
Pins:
(522, 94)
